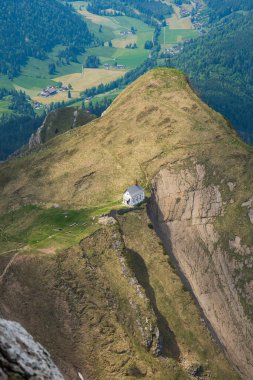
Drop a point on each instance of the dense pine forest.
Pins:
(223, 8)
(220, 66)
(16, 126)
(33, 28)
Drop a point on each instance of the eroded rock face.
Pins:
(249, 205)
(185, 207)
(23, 358)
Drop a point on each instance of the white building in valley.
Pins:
(133, 195)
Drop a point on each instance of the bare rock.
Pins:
(185, 207)
(35, 139)
(21, 356)
(231, 186)
(107, 220)
(249, 205)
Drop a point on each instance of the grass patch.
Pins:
(79, 83)
(52, 228)
(4, 105)
(175, 36)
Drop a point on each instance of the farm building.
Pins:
(133, 195)
(49, 91)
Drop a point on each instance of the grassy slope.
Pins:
(89, 168)
(134, 141)
(85, 294)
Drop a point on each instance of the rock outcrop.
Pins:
(21, 357)
(58, 122)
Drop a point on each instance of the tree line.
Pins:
(149, 11)
(220, 66)
(16, 127)
(220, 9)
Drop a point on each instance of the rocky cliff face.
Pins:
(58, 122)
(186, 207)
(21, 357)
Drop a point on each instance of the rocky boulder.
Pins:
(23, 358)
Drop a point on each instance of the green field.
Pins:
(38, 228)
(111, 28)
(175, 36)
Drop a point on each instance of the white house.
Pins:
(133, 195)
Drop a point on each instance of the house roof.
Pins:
(134, 190)
(51, 90)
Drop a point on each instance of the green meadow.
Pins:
(175, 36)
(4, 105)
(53, 228)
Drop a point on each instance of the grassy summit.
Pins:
(156, 119)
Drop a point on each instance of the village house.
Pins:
(49, 91)
(133, 195)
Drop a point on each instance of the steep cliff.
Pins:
(189, 211)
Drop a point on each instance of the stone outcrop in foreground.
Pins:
(23, 358)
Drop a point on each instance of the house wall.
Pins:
(133, 200)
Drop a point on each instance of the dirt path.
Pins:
(8, 265)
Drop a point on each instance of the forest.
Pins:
(220, 67)
(33, 28)
(16, 127)
(147, 10)
(223, 8)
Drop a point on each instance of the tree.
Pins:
(133, 30)
(110, 43)
(69, 94)
(83, 105)
(92, 61)
(100, 29)
(51, 68)
(148, 45)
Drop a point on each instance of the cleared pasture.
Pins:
(175, 36)
(79, 82)
(4, 105)
(123, 41)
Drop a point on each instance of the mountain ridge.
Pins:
(199, 176)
